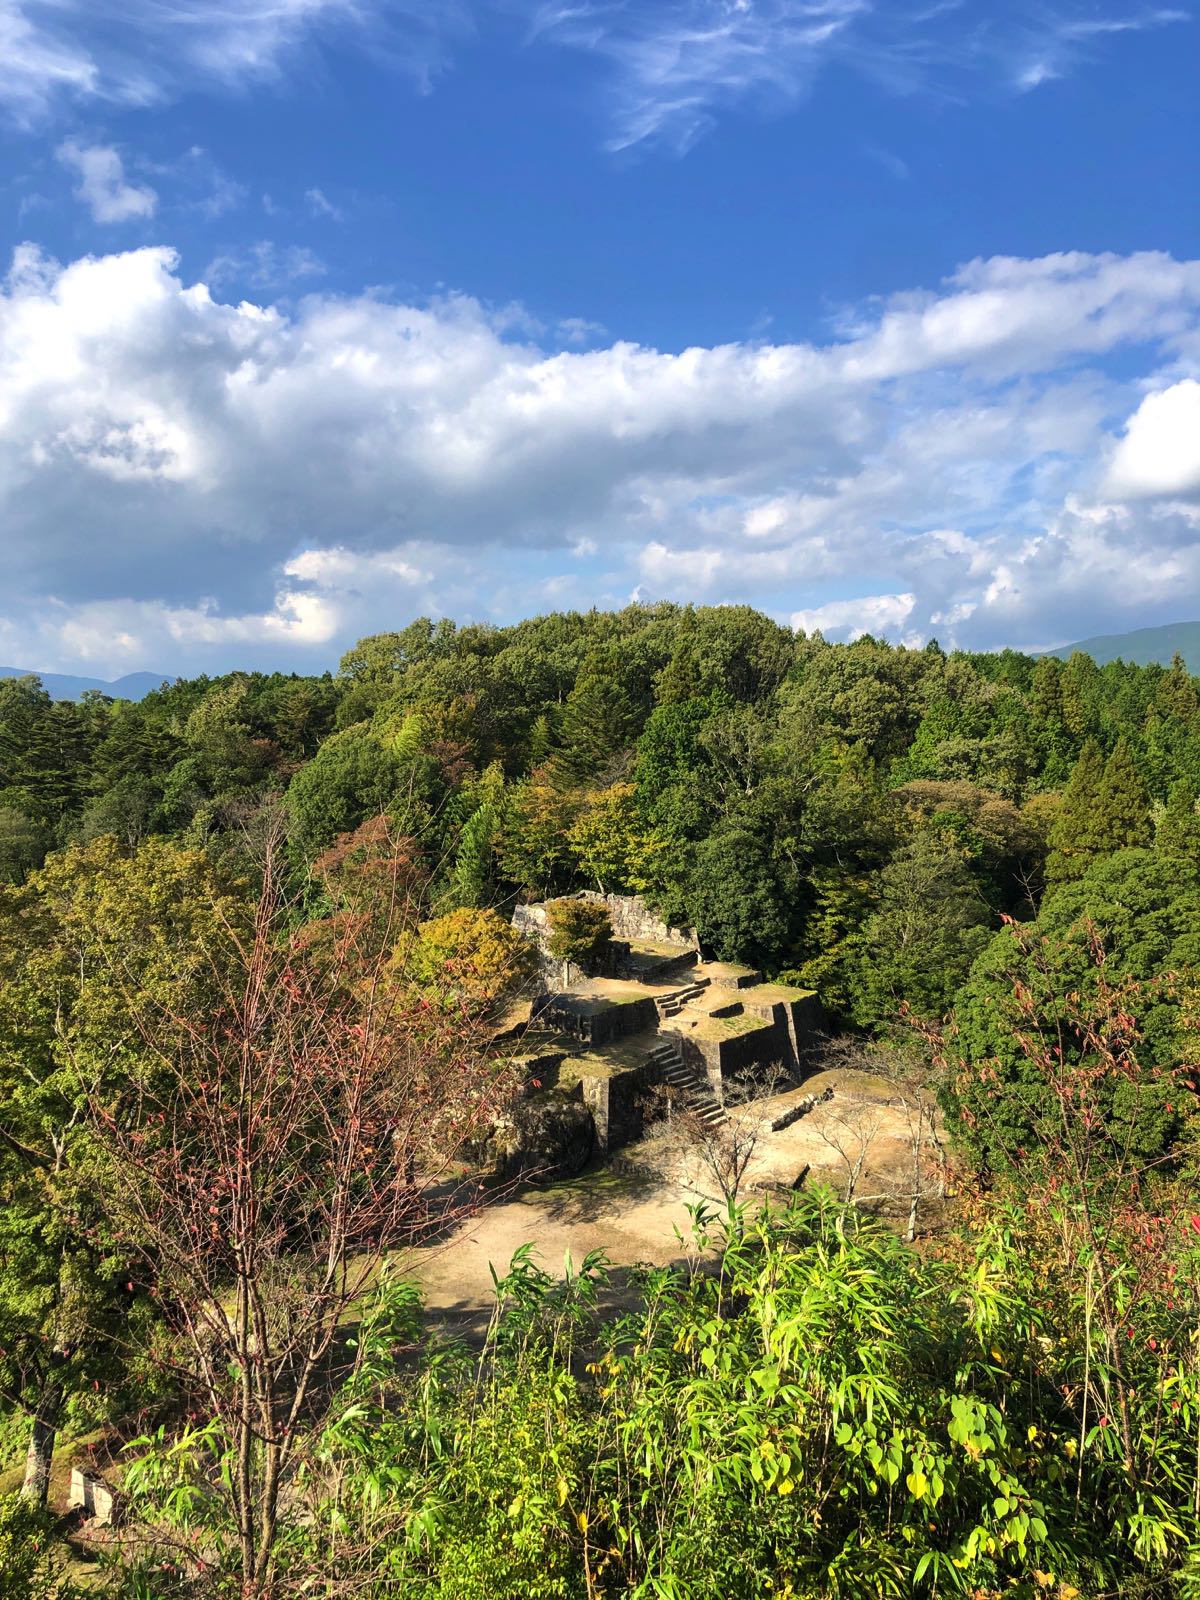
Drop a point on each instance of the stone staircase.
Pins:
(692, 1091)
(671, 1005)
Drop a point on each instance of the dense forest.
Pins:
(987, 863)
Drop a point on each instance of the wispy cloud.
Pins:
(320, 205)
(102, 184)
(137, 52)
(264, 265)
(674, 67)
(1056, 44)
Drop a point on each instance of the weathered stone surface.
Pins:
(654, 986)
(90, 1494)
(547, 1135)
(633, 920)
(595, 1020)
(632, 923)
(800, 1109)
(616, 1101)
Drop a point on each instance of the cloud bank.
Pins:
(186, 481)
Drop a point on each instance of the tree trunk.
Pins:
(41, 1442)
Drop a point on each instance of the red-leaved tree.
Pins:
(270, 1157)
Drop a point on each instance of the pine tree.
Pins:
(1074, 842)
(1179, 828)
(1122, 819)
(1171, 740)
(539, 742)
(472, 880)
(1176, 697)
(597, 720)
(1081, 695)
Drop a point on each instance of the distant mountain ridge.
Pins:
(1142, 647)
(65, 686)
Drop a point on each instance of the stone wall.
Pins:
(726, 1058)
(616, 1101)
(789, 1029)
(596, 1021)
(633, 920)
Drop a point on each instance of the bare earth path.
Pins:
(633, 1220)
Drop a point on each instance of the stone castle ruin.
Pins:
(660, 1018)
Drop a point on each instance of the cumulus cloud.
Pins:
(1160, 452)
(850, 619)
(198, 474)
(102, 184)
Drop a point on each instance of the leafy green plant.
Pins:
(30, 1568)
(580, 931)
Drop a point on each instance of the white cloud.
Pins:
(883, 614)
(138, 52)
(1160, 452)
(675, 65)
(197, 475)
(320, 205)
(1052, 44)
(264, 265)
(102, 185)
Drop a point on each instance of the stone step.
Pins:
(685, 1077)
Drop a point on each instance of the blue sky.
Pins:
(325, 313)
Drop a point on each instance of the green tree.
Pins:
(473, 877)
(1123, 805)
(466, 956)
(580, 932)
(1179, 827)
(533, 847)
(730, 651)
(23, 843)
(598, 721)
(672, 768)
(928, 926)
(1144, 910)
(1075, 838)
(353, 776)
(741, 899)
(94, 939)
(613, 848)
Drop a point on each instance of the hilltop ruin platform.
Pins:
(670, 1022)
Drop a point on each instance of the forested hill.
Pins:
(247, 1030)
(860, 815)
(1144, 646)
(69, 686)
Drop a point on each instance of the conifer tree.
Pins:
(1122, 820)
(1074, 842)
(1179, 828)
(472, 880)
(597, 720)
(539, 742)
(1176, 696)
(1171, 740)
